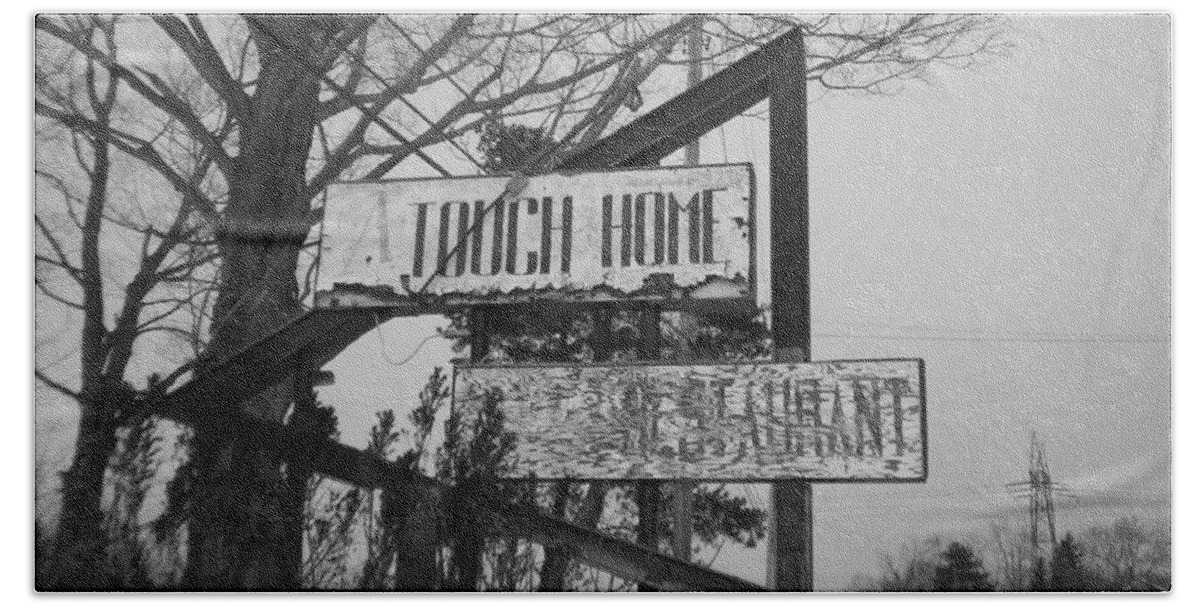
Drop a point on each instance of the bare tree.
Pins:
(911, 568)
(77, 165)
(1011, 557)
(246, 120)
(1129, 555)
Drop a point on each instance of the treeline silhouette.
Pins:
(1127, 554)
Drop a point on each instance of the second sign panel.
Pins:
(823, 421)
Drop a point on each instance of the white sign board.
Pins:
(689, 231)
(821, 421)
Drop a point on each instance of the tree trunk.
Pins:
(80, 544)
(81, 541)
(239, 533)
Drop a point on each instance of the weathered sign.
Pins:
(823, 421)
(663, 233)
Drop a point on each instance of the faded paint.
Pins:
(649, 230)
(831, 421)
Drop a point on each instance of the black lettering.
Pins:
(722, 385)
(464, 224)
(626, 227)
(477, 238)
(694, 229)
(547, 220)
(566, 235)
(443, 237)
(419, 239)
(497, 236)
(606, 231)
(660, 226)
(639, 228)
(897, 414)
(531, 257)
(673, 230)
(510, 262)
(709, 222)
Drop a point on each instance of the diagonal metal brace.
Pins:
(263, 364)
(686, 117)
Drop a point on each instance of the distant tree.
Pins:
(1010, 556)
(1129, 555)
(1039, 578)
(1067, 572)
(911, 568)
(960, 570)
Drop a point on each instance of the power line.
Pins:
(1002, 338)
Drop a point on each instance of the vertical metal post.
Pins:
(557, 562)
(791, 541)
(646, 495)
(682, 498)
(648, 492)
(682, 508)
(479, 323)
(468, 541)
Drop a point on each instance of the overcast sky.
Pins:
(1010, 225)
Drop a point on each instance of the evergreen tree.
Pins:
(1066, 568)
(960, 570)
(473, 458)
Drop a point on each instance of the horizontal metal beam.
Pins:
(620, 558)
(686, 117)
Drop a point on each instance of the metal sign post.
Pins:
(790, 566)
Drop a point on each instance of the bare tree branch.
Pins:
(160, 95)
(207, 61)
(54, 385)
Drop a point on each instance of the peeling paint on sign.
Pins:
(620, 232)
(823, 421)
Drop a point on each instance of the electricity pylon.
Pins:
(1040, 490)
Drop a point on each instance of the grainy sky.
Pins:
(1010, 225)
